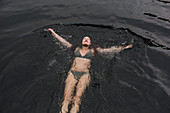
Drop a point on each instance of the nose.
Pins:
(86, 40)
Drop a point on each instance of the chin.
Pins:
(86, 45)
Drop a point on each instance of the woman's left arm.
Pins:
(113, 49)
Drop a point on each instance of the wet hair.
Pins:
(95, 51)
(74, 46)
(80, 45)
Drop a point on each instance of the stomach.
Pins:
(81, 64)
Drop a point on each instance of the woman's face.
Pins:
(86, 41)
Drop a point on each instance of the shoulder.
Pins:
(98, 49)
(93, 51)
(76, 49)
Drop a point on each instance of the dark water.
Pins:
(34, 67)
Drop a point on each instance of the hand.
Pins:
(51, 30)
(129, 46)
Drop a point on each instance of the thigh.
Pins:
(84, 81)
(70, 83)
(70, 78)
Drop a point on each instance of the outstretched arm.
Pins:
(113, 49)
(62, 40)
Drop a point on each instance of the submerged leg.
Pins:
(81, 86)
(68, 92)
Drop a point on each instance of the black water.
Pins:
(34, 67)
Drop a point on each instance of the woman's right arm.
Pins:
(62, 40)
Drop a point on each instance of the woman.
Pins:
(79, 72)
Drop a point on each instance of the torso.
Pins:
(82, 61)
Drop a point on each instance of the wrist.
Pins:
(122, 48)
(52, 32)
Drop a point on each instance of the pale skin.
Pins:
(80, 64)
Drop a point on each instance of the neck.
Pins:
(85, 47)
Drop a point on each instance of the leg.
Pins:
(81, 86)
(69, 89)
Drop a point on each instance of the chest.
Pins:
(83, 54)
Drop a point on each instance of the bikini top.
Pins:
(88, 55)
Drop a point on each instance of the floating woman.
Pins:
(79, 72)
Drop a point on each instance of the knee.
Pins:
(79, 93)
(77, 99)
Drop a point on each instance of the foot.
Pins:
(64, 108)
(75, 108)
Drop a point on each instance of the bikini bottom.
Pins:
(78, 74)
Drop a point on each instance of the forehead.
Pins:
(86, 37)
